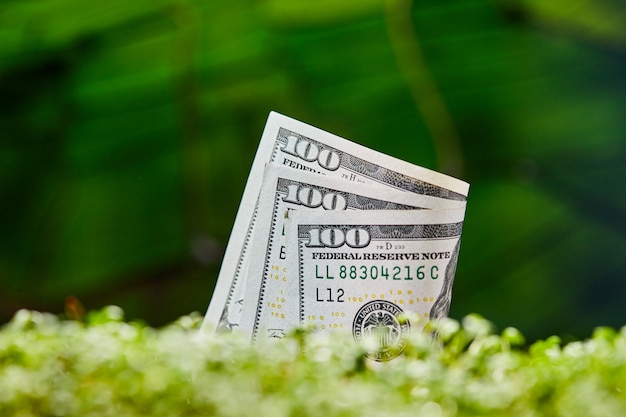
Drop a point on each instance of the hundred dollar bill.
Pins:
(296, 145)
(268, 277)
(363, 271)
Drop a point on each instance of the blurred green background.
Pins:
(128, 128)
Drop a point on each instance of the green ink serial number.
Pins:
(396, 273)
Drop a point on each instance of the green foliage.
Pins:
(108, 367)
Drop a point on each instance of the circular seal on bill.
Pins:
(383, 324)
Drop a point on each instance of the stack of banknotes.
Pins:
(331, 235)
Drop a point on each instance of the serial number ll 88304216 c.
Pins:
(397, 273)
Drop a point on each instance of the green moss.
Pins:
(108, 367)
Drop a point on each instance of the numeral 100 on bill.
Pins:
(310, 152)
(335, 237)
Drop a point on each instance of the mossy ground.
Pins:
(105, 366)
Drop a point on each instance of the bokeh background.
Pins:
(127, 130)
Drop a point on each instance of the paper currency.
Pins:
(363, 271)
(296, 145)
(267, 275)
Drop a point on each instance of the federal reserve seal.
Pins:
(382, 323)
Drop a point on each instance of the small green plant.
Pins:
(105, 366)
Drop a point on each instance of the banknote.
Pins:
(267, 276)
(363, 272)
(299, 146)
